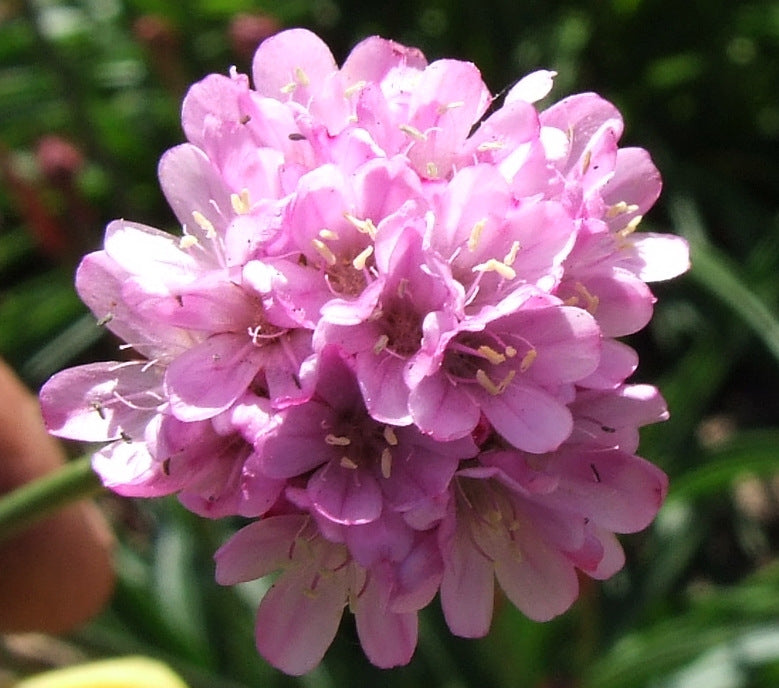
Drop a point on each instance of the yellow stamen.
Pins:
(301, 77)
(204, 223)
(492, 265)
(630, 227)
(491, 355)
(390, 436)
(288, 88)
(187, 241)
(355, 88)
(432, 170)
(619, 209)
(337, 440)
(511, 256)
(473, 239)
(386, 462)
(328, 234)
(413, 132)
(527, 360)
(510, 351)
(586, 161)
(381, 344)
(363, 226)
(490, 146)
(506, 381)
(451, 106)
(346, 462)
(240, 202)
(591, 300)
(324, 250)
(359, 260)
(483, 379)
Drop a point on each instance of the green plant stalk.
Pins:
(31, 502)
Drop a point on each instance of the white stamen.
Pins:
(328, 234)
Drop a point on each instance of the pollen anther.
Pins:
(324, 250)
(337, 440)
(473, 239)
(493, 265)
(359, 260)
(491, 355)
(527, 360)
(386, 462)
(346, 462)
(204, 223)
(413, 132)
(390, 436)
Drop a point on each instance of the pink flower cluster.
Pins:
(387, 333)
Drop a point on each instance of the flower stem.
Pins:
(29, 503)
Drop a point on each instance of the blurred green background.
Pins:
(90, 92)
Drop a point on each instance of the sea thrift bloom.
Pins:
(387, 332)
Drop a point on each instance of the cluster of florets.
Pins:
(387, 333)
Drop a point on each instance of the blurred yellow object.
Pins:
(126, 672)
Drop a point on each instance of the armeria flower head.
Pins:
(387, 332)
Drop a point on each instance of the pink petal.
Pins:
(258, 549)
(659, 256)
(539, 580)
(388, 638)
(295, 56)
(373, 58)
(209, 377)
(345, 495)
(530, 419)
(101, 401)
(295, 623)
(467, 587)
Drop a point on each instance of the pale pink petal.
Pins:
(296, 56)
(345, 495)
(467, 587)
(211, 376)
(539, 580)
(388, 638)
(372, 59)
(296, 624)
(532, 88)
(99, 402)
(529, 418)
(258, 549)
(659, 257)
